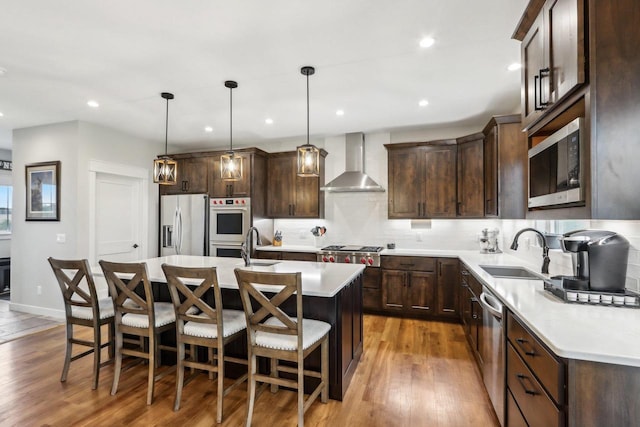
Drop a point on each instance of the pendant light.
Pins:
(165, 168)
(308, 155)
(230, 163)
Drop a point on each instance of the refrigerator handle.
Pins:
(179, 245)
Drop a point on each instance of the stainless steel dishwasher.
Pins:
(492, 350)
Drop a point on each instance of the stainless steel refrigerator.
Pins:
(184, 224)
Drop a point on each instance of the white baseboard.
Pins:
(38, 311)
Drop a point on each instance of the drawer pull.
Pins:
(464, 273)
(521, 378)
(521, 342)
(406, 264)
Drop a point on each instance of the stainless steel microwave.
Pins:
(557, 166)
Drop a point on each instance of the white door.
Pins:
(118, 217)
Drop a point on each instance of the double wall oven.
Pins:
(230, 219)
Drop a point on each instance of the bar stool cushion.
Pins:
(106, 310)
(312, 332)
(164, 314)
(232, 321)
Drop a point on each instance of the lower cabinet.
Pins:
(536, 379)
(471, 312)
(371, 293)
(287, 256)
(419, 286)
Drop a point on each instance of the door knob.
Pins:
(135, 246)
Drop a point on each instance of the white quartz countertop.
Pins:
(318, 279)
(597, 333)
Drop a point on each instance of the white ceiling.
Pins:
(123, 53)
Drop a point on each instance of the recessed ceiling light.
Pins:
(3, 71)
(427, 42)
(1, 115)
(208, 129)
(268, 121)
(423, 103)
(93, 104)
(340, 113)
(515, 66)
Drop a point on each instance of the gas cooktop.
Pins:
(349, 254)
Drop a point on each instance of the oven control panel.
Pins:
(232, 202)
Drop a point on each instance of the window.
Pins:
(6, 192)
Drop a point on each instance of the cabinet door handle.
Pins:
(521, 378)
(536, 85)
(464, 272)
(419, 210)
(543, 72)
(521, 342)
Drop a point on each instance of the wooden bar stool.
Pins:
(272, 333)
(211, 327)
(83, 308)
(137, 315)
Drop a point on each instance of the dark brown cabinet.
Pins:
(371, 292)
(192, 174)
(223, 188)
(419, 286)
(291, 196)
(553, 55)
(535, 378)
(448, 304)
(505, 168)
(471, 176)
(287, 256)
(422, 180)
(594, 75)
(471, 312)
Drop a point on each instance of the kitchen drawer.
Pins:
(269, 254)
(514, 416)
(548, 369)
(474, 285)
(413, 263)
(535, 404)
(371, 299)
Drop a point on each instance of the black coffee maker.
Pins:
(599, 260)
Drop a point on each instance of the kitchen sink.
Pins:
(511, 272)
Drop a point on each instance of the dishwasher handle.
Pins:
(491, 303)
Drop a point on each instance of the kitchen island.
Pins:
(331, 293)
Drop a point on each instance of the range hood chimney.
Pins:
(353, 179)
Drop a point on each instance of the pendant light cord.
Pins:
(307, 109)
(166, 129)
(231, 119)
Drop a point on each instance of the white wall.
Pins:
(74, 144)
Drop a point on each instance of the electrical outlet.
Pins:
(419, 236)
(39, 290)
(61, 238)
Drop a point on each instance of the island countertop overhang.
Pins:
(318, 279)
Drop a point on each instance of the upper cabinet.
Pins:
(239, 188)
(192, 173)
(553, 56)
(291, 196)
(200, 173)
(422, 180)
(471, 176)
(505, 168)
(590, 50)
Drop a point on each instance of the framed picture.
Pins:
(43, 191)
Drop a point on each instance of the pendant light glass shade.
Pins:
(230, 163)
(165, 169)
(308, 155)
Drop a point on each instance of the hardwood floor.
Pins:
(412, 373)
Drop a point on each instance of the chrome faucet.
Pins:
(545, 247)
(247, 246)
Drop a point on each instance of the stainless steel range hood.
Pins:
(353, 179)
